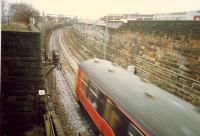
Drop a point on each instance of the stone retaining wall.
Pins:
(167, 53)
(22, 77)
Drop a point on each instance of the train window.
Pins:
(107, 108)
(118, 123)
(115, 119)
(93, 95)
(133, 131)
(101, 103)
(84, 84)
(85, 79)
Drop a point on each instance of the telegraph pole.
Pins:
(44, 36)
(106, 37)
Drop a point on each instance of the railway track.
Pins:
(82, 45)
(72, 46)
(78, 47)
(85, 44)
(75, 119)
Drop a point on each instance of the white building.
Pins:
(190, 15)
(125, 17)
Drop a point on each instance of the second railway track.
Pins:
(72, 45)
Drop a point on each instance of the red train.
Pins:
(121, 104)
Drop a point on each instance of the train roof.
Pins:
(160, 112)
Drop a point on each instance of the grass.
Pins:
(15, 27)
(36, 131)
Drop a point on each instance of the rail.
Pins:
(52, 123)
(70, 62)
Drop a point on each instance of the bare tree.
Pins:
(3, 10)
(23, 12)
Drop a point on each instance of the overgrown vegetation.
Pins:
(18, 13)
(15, 27)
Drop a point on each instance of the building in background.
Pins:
(190, 15)
(116, 20)
(59, 18)
(125, 17)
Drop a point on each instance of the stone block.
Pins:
(196, 86)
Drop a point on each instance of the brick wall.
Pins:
(22, 77)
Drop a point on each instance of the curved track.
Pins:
(75, 119)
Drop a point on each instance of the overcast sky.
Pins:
(97, 8)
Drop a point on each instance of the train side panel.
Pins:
(100, 123)
(91, 111)
(77, 83)
(106, 130)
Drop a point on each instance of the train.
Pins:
(122, 104)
